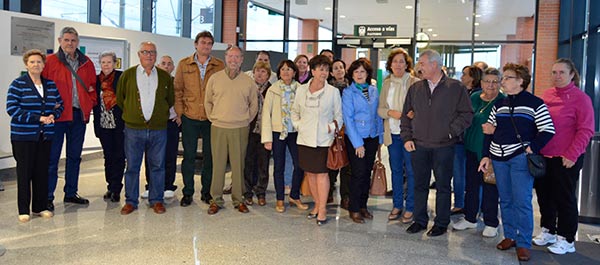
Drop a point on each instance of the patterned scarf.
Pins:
(286, 106)
(108, 95)
(261, 98)
(364, 88)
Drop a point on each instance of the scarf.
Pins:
(108, 95)
(286, 106)
(261, 98)
(364, 88)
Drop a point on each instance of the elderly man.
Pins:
(231, 103)
(442, 111)
(75, 78)
(145, 94)
(265, 57)
(191, 77)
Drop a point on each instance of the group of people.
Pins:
(428, 123)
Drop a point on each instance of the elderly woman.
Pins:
(364, 134)
(33, 104)
(393, 93)
(316, 109)
(482, 102)
(109, 126)
(257, 157)
(338, 79)
(573, 116)
(523, 112)
(278, 133)
(301, 62)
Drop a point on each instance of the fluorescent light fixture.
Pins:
(328, 8)
(408, 7)
(430, 29)
(342, 16)
(476, 23)
(378, 45)
(476, 35)
(435, 35)
(348, 41)
(405, 41)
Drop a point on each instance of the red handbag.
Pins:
(337, 157)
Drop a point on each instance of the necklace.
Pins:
(487, 105)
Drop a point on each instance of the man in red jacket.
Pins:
(75, 78)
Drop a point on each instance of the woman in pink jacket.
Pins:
(573, 116)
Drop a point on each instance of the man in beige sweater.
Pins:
(231, 103)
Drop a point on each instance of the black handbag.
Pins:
(536, 163)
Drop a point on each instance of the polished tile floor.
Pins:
(98, 234)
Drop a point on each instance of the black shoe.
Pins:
(321, 222)
(206, 198)
(186, 200)
(115, 197)
(432, 186)
(50, 206)
(415, 228)
(436, 231)
(76, 199)
(107, 195)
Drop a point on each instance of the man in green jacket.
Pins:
(145, 94)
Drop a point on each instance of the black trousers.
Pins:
(360, 182)
(113, 148)
(32, 159)
(556, 197)
(345, 176)
(256, 168)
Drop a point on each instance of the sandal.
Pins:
(394, 214)
(407, 217)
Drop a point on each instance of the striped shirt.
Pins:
(25, 105)
(532, 120)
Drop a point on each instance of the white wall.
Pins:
(12, 66)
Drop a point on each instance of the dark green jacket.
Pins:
(128, 99)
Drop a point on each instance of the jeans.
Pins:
(152, 144)
(289, 168)
(400, 159)
(439, 159)
(360, 181)
(170, 157)
(112, 141)
(190, 131)
(458, 173)
(279, 163)
(515, 186)
(75, 133)
(489, 201)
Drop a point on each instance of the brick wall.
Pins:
(230, 17)
(547, 43)
(308, 29)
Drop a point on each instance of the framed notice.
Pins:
(93, 47)
(26, 34)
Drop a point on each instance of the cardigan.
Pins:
(25, 106)
(399, 97)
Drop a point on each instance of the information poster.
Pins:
(93, 47)
(29, 34)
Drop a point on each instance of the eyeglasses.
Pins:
(493, 82)
(506, 77)
(144, 52)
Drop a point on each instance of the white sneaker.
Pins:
(562, 246)
(544, 238)
(489, 231)
(463, 224)
(44, 214)
(169, 194)
(145, 195)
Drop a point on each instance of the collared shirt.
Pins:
(432, 85)
(147, 85)
(201, 67)
(74, 63)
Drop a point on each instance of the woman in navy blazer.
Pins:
(364, 134)
(33, 104)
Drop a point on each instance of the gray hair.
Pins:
(108, 53)
(492, 71)
(146, 43)
(69, 30)
(234, 47)
(433, 56)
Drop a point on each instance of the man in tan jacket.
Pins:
(231, 103)
(191, 78)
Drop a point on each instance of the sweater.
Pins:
(231, 103)
(440, 118)
(128, 99)
(573, 116)
(25, 106)
(532, 119)
(474, 134)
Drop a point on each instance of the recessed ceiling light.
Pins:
(328, 8)
(430, 30)
(477, 15)
(435, 35)
(408, 7)
(476, 23)
(476, 35)
(467, 18)
(342, 16)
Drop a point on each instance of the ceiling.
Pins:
(440, 19)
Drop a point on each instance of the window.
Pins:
(203, 15)
(121, 14)
(65, 9)
(167, 17)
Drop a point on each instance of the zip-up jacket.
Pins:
(360, 115)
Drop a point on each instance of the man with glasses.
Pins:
(145, 94)
(231, 103)
(75, 78)
(191, 77)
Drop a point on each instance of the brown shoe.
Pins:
(242, 208)
(366, 214)
(506, 243)
(159, 208)
(394, 214)
(262, 201)
(345, 203)
(298, 203)
(357, 218)
(523, 254)
(213, 208)
(127, 209)
(407, 217)
(279, 206)
(248, 201)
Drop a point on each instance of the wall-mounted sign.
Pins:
(29, 34)
(374, 30)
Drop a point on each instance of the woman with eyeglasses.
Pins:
(528, 114)
(316, 110)
(573, 115)
(482, 102)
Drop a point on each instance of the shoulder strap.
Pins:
(75, 74)
(515, 126)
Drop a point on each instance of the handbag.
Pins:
(378, 178)
(536, 163)
(305, 188)
(489, 176)
(337, 157)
